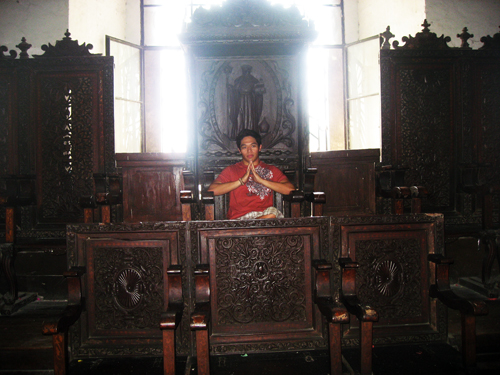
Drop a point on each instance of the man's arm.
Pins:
(220, 188)
(284, 187)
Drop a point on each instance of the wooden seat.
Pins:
(259, 287)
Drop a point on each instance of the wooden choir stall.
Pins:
(152, 266)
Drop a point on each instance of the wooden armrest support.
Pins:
(469, 307)
(348, 292)
(171, 318)
(200, 317)
(365, 314)
(187, 196)
(442, 290)
(318, 200)
(294, 196)
(202, 284)
(74, 307)
(207, 197)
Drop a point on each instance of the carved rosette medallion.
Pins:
(260, 279)
(128, 288)
(389, 277)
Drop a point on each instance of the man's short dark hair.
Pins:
(248, 133)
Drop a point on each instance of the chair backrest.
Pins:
(261, 283)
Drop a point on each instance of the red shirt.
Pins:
(252, 196)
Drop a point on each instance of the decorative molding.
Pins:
(66, 47)
(491, 42)
(247, 21)
(424, 40)
(13, 53)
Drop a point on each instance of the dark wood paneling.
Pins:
(394, 275)
(261, 290)
(151, 186)
(125, 286)
(348, 180)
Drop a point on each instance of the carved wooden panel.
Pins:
(440, 122)
(348, 180)
(261, 283)
(394, 274)
(60, 131)
(68, 110)
(125, 286)
(151, 186)
(421, 136)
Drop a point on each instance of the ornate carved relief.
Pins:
(4, 125)
(489, 129)
(67, 146)
(254, 94)
(424, 40)
(128, 287)
(247, 20)
(260, 279)
(389, 277)
(426, 124)
(66, 47)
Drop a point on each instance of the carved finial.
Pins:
(385, 36)
(465, 36)
(13, 54)
(24, 47)
(426, 26)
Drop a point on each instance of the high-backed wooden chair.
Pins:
(214, 208)
(264, 287)
(391, 285)
(125, 294)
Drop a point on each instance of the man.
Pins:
(250, 183)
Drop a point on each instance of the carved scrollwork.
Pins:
(67, 146)
(66, 47)
(260, 279)
(424, 40)
(425, 123)
(12, 53)
(491, 42)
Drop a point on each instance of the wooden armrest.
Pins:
(316, 197)
(348, 292)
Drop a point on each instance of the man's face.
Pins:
(249, 149)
